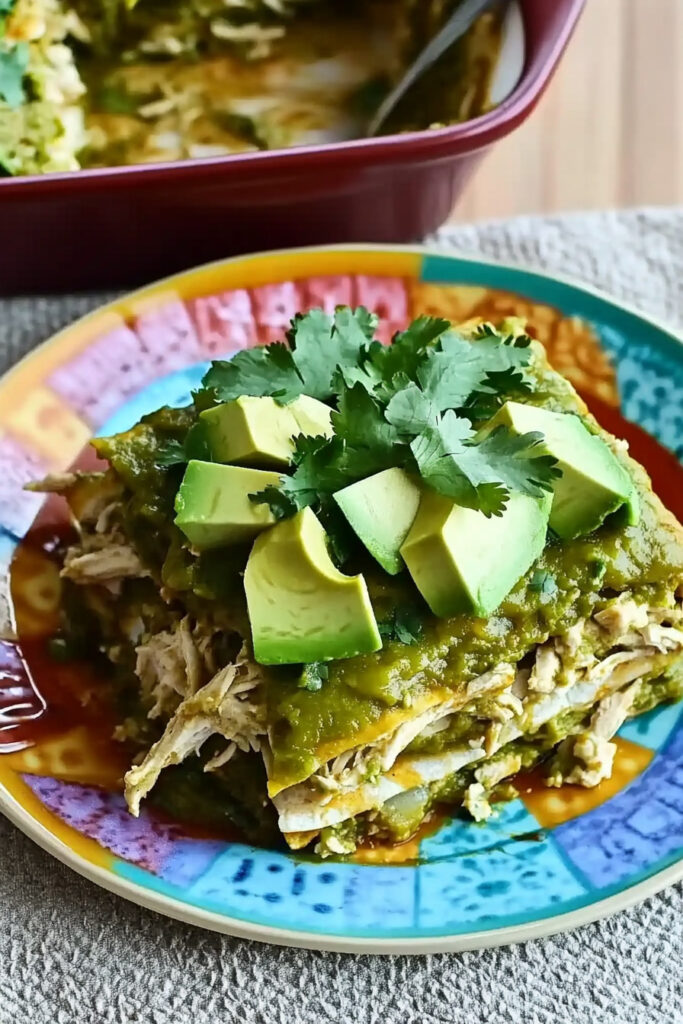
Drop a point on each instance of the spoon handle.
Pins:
(460, 21)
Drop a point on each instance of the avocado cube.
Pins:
(213, 507)
(301, 608)
(593, 483)
(462, 561)
(381, 510)
(259, 432)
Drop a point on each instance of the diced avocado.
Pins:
(259, 432)
(312, 417)
(301, 608)
(381, 510)
(213, 506)
(463, 562)
(593, 482)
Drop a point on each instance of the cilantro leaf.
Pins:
(312, 676)
(410, 411)
(306, 444)
(408, 348)
(341, 538)
(315, 354)
(364, 443)
(411, 404)
(264, 370)
(598, 569)
(322, 468)
(405, 624)
(280, 502)
(543, 583)
(319, 345)
(498, 386)
(514, 460)
(322, 347)
(13, 64)
(172, 453)
(438, 452)
(204, 398)
(325, 359)
(355, 326)
(481, 474)
(450, 375)
(511, 330)
(372, 443)
(195, 446)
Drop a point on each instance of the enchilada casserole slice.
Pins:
(100, 83)
(352, 584)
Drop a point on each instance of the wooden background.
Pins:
(609, 130)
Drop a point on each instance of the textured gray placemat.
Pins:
(71, 953)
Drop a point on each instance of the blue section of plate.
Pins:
(175, 390)
(468, 876)
(634, 829)
(653, 729)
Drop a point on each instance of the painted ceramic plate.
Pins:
(551, 859)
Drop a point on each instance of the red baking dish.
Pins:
(124, 225)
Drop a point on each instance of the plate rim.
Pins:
(187, 913)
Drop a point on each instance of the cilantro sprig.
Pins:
(318, 345)
(415, 404)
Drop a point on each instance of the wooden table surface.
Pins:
(609, 130)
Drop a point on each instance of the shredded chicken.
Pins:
(499, 678)
(545, 670)
(504, 706)
(593, 760)
(88, 494)
(492, 736)
(231, 705)
(506, 699)
(348, 770)
(173, 664)
(623, 623)
(592, 751)
(632, 625)
(612, 711)
(109, 563)
(622, 615)
(493, 772)
(53, 483)
(520, 686)
(352, 767)
(476, 802)
(572, 639)
(662, 638)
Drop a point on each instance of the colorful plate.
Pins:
(551, 859)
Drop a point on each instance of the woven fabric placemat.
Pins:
(71, 953)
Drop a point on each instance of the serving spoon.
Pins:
(457, 25)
